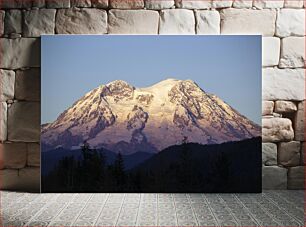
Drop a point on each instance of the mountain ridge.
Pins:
(123, 118)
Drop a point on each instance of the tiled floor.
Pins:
(271, 208)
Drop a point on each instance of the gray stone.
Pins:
(274, 177)
(24, 122)
(139, 22)
(192, 4)
(285, 106)
(2, 15)
(269, 154)
(242, 4)
(26, 179)
(177, 21)
(283, 84)
(221, 3)
(296, 177)
(126, 4)
(159, 4)
(39, 3)
(248, 21)
(208, 22)
(27, 85)
(13, 155)
(81, 21)
(293, 4)
(303, 160)
(39, 22)
(3, 121)
(7, 81)
(80, 3)
(293, 52)
(299, 122)
(277, 129)
(290, 22)
(289, 153)
(13, 21)
(270, 51)
(15, 4)
(262, 4)
(33, 154)
(100, 3)
(56, 4)
(267, 107)
(20, 53)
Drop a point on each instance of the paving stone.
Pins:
(159, 4)
(191, 4)
(100, 3)
(277, 129)
(299, 122)
(274, 177)
(221, 3)
(290, 22)
(293, 4)
(33, 158)
(3, 121)
(285, 106)
(293, 52)
(267, 107)
(80, 3)
(2, 15)
(242, 4)
(13, 21)
(270, 51)
(269, 154)
(289, 153)
(296, 177)
(262, 4)
(56, 4)
(126, 4)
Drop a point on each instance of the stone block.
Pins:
(56, 4)
(299, 122)
(274, 177)
(3, 121)
(13, 155)
(303, 160)
(221, 3)
(248, 21)
(33, 154)
(24, 122)
(277, 129)
(20, 53)
(159, 4)
(7, 85)
(285, 107)
(267, 107)
(269, 154)
(80, 3)
(139, 22)
(289, 153)
(99, 3)
(191, 4)
(296, 176)
(27, 85)
(262, 4)
(177, 21)
(26, 179)
(208, 22)
(39, 3)
(293, 52)
(2, 15)
(242, 4)
(290, 22)
(39, 22)
(81, 21)
(15, 4)
(270, 51)
(293, 4)
(283, 84)
(13, 21)
(126, 4)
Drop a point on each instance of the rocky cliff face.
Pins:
(123, 118)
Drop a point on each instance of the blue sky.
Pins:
(227, 66)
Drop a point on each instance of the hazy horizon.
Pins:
(72, 62)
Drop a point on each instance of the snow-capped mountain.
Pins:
(120, 117)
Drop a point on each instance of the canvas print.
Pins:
(151, 114)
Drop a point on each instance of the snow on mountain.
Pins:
(123, 118)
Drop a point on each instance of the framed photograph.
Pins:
(151, 114)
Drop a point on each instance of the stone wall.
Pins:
(281, 22)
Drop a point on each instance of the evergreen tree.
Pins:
(119, 172)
